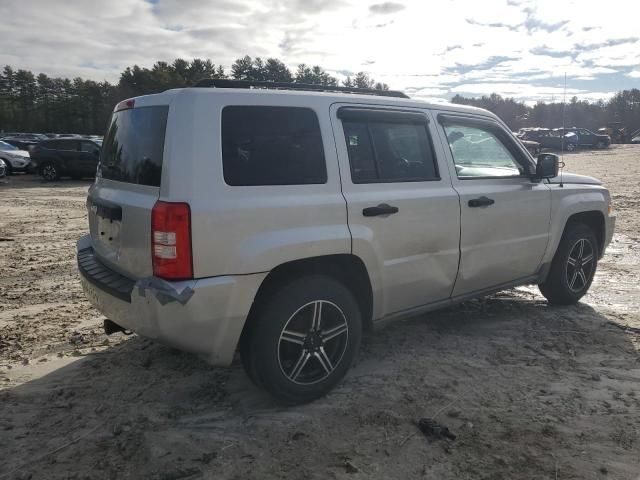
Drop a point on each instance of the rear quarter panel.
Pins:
(242, 230)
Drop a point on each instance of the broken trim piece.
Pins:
(163, 291)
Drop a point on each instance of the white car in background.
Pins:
(16, 160)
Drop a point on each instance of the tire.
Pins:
(323, 328)
(600, 145)
(49, 172)
(9, 169)
(565, 284)
(571, 147)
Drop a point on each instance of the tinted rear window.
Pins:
(133, 146)
(272, 146)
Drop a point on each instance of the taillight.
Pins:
(171, 241)
(125, 105)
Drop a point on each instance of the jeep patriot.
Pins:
(283, 220)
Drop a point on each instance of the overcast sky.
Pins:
(435, 49)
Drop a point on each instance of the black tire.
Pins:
(308, 362)
(49, 172)
(9, 169)
(565, 285)
(600, 145)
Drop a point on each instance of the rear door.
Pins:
(88, 158)
(403, 213)
(68, 152)
(127, 186)
(504, 214)
(587, 137)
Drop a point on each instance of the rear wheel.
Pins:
(49, 172)
(573, 266)
(8, 169)
(303, 339)
(600, 145)
(571, 147)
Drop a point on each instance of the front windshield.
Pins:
(7, 146)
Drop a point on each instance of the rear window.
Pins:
(133, 146)
(272, 146)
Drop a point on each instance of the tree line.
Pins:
(620, 111)
(39, 103)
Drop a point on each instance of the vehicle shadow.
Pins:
(508, 365)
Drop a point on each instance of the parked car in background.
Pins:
(16, 160)
(21, 143)
(65, 157)
(587, 138)
(3, 169)
(28, 136)
(534, 148)
(548, 138)
(635, 139)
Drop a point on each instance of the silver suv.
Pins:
(283, 222)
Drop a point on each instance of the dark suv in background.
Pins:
(587, 138)
(548, 138)
(75, 158)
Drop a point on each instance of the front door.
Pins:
(504, 214)
(403, 214)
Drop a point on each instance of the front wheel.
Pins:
(573, 266)
(303, 339)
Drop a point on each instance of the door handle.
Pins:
(382, 209)
(481, 202)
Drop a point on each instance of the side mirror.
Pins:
(547, 166)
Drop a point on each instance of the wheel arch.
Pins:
(348, 269)
(595, 220)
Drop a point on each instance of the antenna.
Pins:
(564, 106)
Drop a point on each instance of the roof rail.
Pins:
(226, 83)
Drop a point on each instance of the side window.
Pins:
(272, 146)
(89, 147)
(388, 152)
(68, 145)
(478, 152)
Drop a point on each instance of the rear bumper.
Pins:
(203, 316)
(610, 227)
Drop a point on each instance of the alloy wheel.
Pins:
(580, 265)
(49, 172)
(312, 342)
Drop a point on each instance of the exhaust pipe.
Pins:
(112, 327)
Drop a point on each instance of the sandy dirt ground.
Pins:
(530, 391)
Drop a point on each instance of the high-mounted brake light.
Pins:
(171, 241)
(125, 105)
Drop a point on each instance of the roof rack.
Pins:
(226, 83)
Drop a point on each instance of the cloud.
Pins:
(511, 47)
(386, 8)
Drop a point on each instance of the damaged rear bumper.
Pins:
(203, 316)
